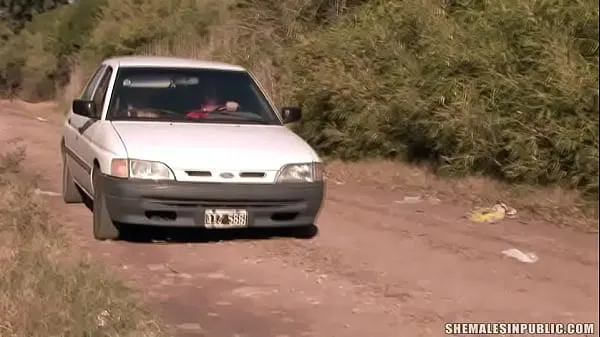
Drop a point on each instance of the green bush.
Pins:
(507, 88)
(130, 26)
(38, 59)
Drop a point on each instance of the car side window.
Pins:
(92, 83)
(100, 94)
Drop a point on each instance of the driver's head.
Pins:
(209, 94)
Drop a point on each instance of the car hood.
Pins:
(214, 146)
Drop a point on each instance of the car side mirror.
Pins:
(84, 108)
(291, 114)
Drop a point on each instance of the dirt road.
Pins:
(377, 268)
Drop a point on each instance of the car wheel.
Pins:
(70, 192)
(104, 228)
(304, 232)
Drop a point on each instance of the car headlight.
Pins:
(141, 169)
(300, 173)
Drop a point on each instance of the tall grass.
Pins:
(45, 289)
(506, 88)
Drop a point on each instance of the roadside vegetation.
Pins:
(505, 89)
(46, 287)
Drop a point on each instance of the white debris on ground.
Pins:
(195, 327)
(417, 199)
(493, 214)
(102, 318)
(410, 200)
(41, 119)
(525, 257)
(48, 193)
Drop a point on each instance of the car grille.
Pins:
(226, 204)
(241, 174)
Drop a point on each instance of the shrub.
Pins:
(507, 88)
(129, 26)
(37, 61)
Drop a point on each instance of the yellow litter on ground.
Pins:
(493, 214)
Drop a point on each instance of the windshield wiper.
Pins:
(245, 116)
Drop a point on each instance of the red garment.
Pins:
(196, 114)
(203, 111)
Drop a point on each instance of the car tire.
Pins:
(103, 226)
(70, 191)
(304, 232)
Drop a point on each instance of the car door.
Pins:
(86, 144)
(79, 169)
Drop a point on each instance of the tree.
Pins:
(14, 14)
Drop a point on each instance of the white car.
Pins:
(163, 141)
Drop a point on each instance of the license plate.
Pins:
(225, 218)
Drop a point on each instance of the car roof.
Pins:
(168, 62)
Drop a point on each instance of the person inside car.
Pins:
(210, 103)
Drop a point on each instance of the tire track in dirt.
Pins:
(376, 269)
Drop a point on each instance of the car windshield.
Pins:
(188, 94)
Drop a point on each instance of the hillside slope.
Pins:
(505, 88)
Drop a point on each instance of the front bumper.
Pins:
(182, 204)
